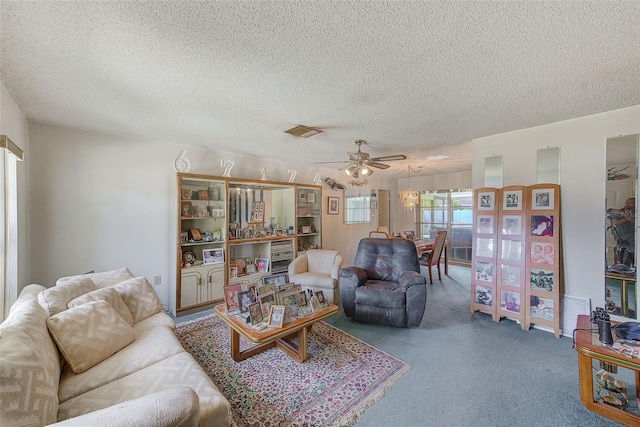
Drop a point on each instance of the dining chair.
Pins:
(378, 234)
(432, 257)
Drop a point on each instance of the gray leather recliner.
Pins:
(385, 285)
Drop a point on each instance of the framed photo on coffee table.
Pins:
(276, 316)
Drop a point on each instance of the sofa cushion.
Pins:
(89, 333)
(150, 346)
(102, 279)
(178, 370)
(105, 294)
(55, 299)
(29, 366)
(140, 297)
(174, 407)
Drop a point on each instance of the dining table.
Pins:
(426, 245)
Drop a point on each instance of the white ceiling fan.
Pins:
(360, 163)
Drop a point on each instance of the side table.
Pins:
(589, 347)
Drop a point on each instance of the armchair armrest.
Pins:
(335, 269)
(174, 407)
(350, 279)
(411, 278)
(299, 265)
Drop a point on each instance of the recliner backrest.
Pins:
(386, 259)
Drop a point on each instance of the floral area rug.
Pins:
(341, 377)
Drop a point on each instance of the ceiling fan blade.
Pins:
(337, 161)
(389, 158)
(378, 165)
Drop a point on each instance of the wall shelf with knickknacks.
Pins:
(234, 230)
(202, 232)
(308, 217)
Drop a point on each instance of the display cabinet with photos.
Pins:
(261, 228)
(201, 261)
(543, 257)
(484, 259)
(512, 253)
(308, 217)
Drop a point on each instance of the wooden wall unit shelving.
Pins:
(238, 219)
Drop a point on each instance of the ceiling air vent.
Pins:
(303, 131)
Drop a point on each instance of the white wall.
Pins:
(14, 124)
(407, 220)
(100, 202)
(582, 145)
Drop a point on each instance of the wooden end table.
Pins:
(589, 347)
(272, 337)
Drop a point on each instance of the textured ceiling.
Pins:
(417, 78)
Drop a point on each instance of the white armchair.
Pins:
(317, 269)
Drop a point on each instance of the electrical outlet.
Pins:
(158, 280)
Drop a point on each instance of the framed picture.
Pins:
(253, 287)
(541, 307)
(321, 299)
(486, 201)
(231, 297)
(213, 256)
(266, 301)
(484, 247)
(484, 224)
(306, 229)
(483, 295)
(275, 280)
(255, 313)
(541, 279)
(510, 301)
(302, 198)
(245, 299)
(333, 205)
(203, 195)
(410, 234)
(484, 271)
(195, 234)
(214, 193)
(250, 269)
(311, 198)
(315, 304)
(262, 264)
(187, 209)
(542, 199)
(511, 250)
(287, 298)
(510, 275)
(512, 200)
(184, 237)
(277, 232)
(511, 225)
(542, 225)
(233, 271)
(303, 211)
(185, 194)
(542, 253)
(276, 316)
(302, 299)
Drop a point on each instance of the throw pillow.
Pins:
(140, 297)
(106, 294)
(89, 333)
(55, 299)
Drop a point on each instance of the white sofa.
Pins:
(97, 349)
(317, 269)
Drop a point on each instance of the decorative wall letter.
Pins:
(263, 171)
(227, 165)
(293, 173)
(181, 164)
(317, 179)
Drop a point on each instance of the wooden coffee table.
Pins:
(272, 337)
